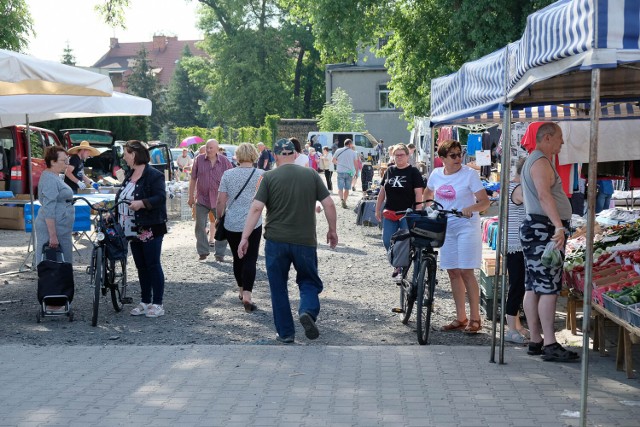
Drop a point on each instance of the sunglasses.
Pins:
(455, 155)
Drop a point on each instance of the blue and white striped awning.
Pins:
(558, 40)
(479, 86)
(562, 38)
(551, 113)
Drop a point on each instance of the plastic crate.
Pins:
(633, 315)
(617, 309)
(185, 210)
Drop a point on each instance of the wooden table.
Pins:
(627, 335)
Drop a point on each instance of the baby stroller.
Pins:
(55, 284)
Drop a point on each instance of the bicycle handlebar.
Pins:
(439, 209)
(99, 209)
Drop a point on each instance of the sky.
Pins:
(57, 22)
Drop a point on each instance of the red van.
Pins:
(14, 172)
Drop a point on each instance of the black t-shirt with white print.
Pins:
(399, 186)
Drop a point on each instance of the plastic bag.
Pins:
(552, 257)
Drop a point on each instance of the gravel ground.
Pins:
(201, 300)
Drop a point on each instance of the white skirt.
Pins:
(463, 244)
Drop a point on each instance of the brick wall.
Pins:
(298, 128)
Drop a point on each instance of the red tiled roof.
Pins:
(163, 52)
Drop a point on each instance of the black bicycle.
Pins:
(108, 268)
(427, 229)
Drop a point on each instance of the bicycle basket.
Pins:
(427, 231)
(116, 245)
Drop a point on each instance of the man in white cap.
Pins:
(74, 175)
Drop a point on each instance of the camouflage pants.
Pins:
(535, 232)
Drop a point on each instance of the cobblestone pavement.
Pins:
(240, 385)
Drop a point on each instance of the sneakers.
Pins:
(284, 340)
(535, 348)
(219, 258)
(344, 203)
(140, 309)
(515, 337)
(556, 353)
(309, 325)
(154, 310)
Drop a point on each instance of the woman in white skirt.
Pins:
(456, 186)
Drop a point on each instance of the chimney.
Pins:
(159, 43)
(113, 42)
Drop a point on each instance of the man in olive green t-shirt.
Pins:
(289, 193)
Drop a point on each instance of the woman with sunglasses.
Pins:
(457, 186)
(401, 187)
(144, 222)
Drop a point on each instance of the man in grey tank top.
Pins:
(548, 213)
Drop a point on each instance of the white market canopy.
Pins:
(23, 74)
(40, 108)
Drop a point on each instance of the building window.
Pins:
(382, 41)
(383, 96)
(116, 79)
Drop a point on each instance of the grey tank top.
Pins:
(530, 194)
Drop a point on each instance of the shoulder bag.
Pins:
(221, 232)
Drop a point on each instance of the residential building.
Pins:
(366, 82)
(164, 52)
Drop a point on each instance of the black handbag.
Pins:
(221, 232)
(55, 276)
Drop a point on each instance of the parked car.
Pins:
(363, 141)
(161, 158)
(14, 172)
(230, 151)
(177, 152)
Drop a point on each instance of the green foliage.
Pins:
(113, 12)
(142, 82)
(227, 135)
(338, 116)
(67, 56)
(271, 124)
(16, 25)
(185, 96)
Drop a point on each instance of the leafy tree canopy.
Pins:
(16, 25)
(338, 116)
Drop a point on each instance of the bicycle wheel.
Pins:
(117, 282)
(426, 288)
(407, 295)
(97, 278)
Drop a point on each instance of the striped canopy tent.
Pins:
(573, 51)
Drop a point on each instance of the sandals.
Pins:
(556, 353)
(515, 337)
(140, 309)
(456, 325)
(249, 307)
(473, 327)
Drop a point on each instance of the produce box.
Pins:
(489, 266)
(615, 307)
(633, 315)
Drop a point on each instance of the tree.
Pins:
(16, 25)
(142, 82)
(184, 96)
(113, 12)
(67, 56)
(338, 116)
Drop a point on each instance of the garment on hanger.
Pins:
(474, 143)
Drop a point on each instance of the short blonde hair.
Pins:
(400, 147)
(247, 152)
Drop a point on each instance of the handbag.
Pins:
(221, 232)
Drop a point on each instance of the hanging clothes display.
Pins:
(474, 143)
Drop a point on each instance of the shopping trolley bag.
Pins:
(55, 277)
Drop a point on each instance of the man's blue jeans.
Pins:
(389, 227)
(279, 257)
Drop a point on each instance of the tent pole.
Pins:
(501, 249)
(432, 151)
(588, 270)
(32, 237)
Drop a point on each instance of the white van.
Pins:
(364, 142)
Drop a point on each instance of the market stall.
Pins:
(573, 51)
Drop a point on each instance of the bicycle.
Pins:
(108, 267)
(418, 281)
